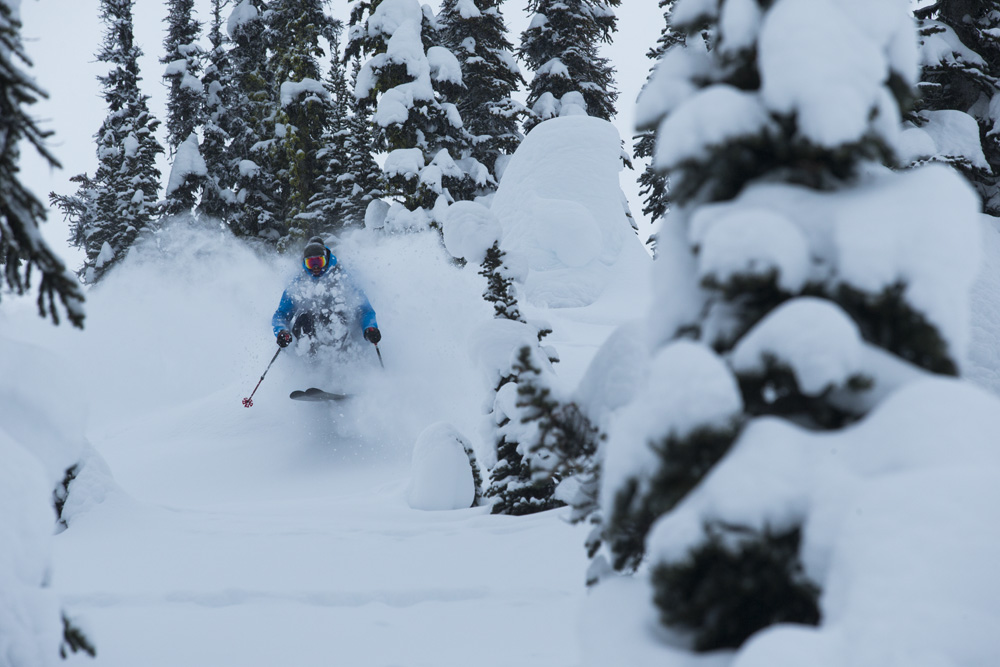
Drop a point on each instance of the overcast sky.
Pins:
(62, 36)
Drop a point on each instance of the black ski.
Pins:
(314, 394)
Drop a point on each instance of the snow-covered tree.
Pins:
(960, 82)
(258, 213)
(510, 350)
(124, 188)
(294, 29)
(362, 179)
(331, 187)
(22, 248)
(800, 283)
(653, 185)
(217, 197)
(183, 59)
(188, 174)
(474, 30)
(408, 79)
(561, 46)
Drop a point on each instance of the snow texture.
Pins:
(470, 229)
(187, 162)
(441, 476)
(717, 115)
(955, 135)
(405, 162)
(686, 386)
(812, 337)
(444, 65)
(752, 243)
(242, 14)
(42, 420)
(291, 91)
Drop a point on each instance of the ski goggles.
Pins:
(315, 263)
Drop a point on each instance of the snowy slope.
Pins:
(205, 533)
(983, 366)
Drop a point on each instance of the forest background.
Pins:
(62, 36)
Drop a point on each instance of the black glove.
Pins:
(284, 338)
(373, 335)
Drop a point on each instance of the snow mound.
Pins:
(441, 475)
(470, 229)
(559, 203)
(41, 408)
(29, 612)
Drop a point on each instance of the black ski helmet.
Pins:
(314, 248)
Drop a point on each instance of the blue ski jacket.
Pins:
(331, 293)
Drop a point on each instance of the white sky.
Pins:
(62, 36)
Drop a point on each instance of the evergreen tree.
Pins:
(217, 197)
(516, 486)
(183, 58)
(410, 89)
(499, 285)
(123, 192)
(258, 213)
(653, 185)
(332, 186)
(477, 35)
(962, 73)
(561, 46)
(362, 180)
(294, 29)
(740, 329)
(22, 247)
(526, 474)
(564, 443)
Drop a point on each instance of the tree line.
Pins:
(260, 137)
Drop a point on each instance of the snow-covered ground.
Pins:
(281, 534)
(205, 533)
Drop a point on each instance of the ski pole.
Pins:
(248, 402)
(379, 353)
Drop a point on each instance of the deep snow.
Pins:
(203, 532)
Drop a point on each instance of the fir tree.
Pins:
(258, 214)
(362, 180)
(561, 46)
(500, 285)
(529, 462)
(962, 73)
(217, 197)
(22, 248)
(123, 192)
(415, 121)
(294, 29)
(332, 186)
(653, 185)
(183, 58)
(769, 173)
(477, 35)
(564, 442)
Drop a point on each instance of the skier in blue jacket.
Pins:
(324, 306)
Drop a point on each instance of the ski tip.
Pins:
(316, 394)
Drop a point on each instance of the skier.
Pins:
(324, 306)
